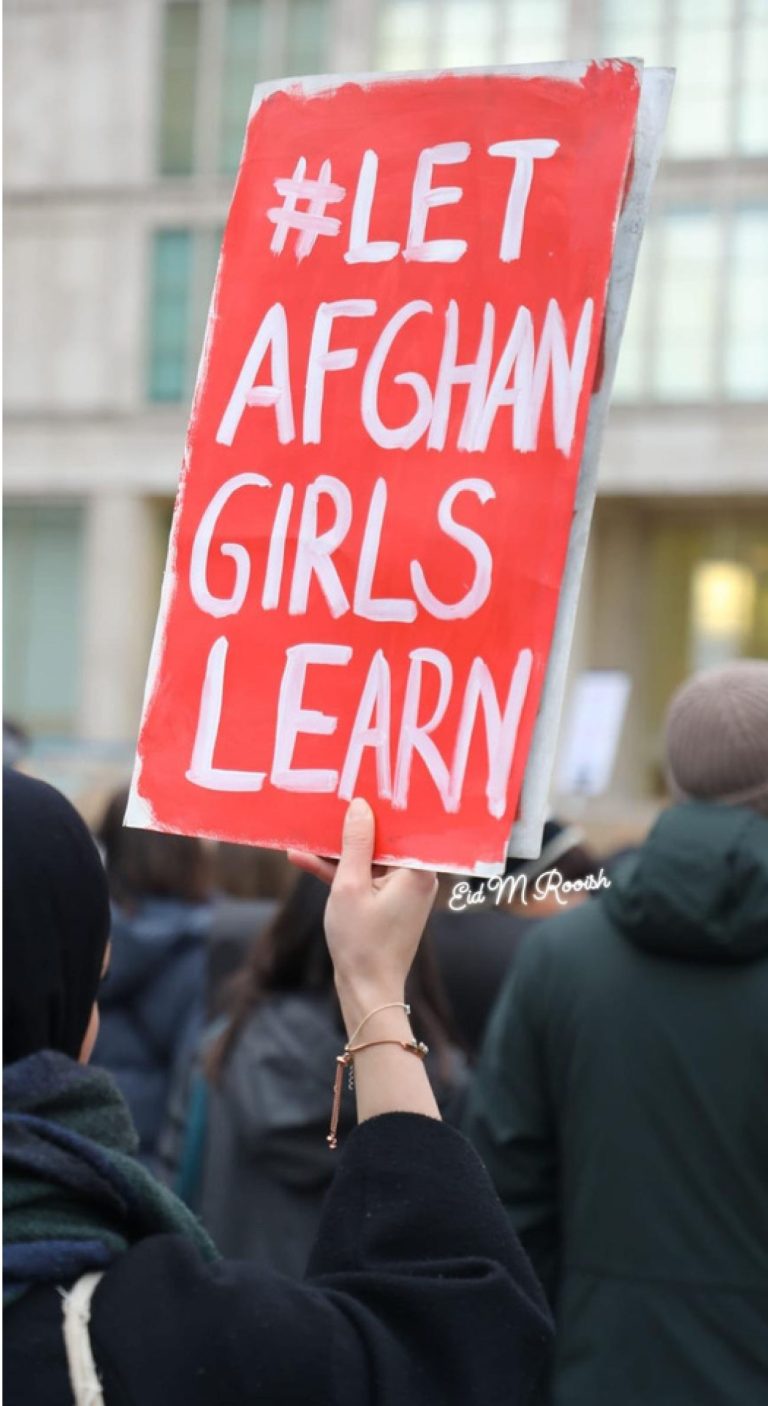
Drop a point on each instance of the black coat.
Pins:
(621, 1106)
(417, 1294)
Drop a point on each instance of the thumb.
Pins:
(357, 843)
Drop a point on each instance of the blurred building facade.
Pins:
(123, 125)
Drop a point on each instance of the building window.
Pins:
(700, 114)
(686, 310)
(752, 91)
(182, 276)
(214, 53)
(669, 350)
(533, 31)
(179, 87)
(463, 33)
(706, 597)
(467, 33)
(243, 67)
(404, 34)
(697, 326)
(722, 612)
(720, 51)
(746, 360)
(171, 291)
(42, 558)
(307, 30)
(635, 32)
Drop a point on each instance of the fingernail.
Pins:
(358, 808)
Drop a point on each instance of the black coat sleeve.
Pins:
(417, 1294)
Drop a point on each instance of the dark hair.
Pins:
(143, 863)
(578, 862)
(292, 955)
(247, 871)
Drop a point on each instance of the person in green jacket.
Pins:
(621, 1099)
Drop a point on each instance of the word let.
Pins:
(317, 194)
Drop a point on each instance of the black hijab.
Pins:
(55, 920)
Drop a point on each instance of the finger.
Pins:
(324, 869)
(357, 843)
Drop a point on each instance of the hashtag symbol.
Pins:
(310, 222)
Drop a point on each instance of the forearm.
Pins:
(373, 923)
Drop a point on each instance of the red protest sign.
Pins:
(382, 458)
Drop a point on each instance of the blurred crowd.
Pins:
(601, 1038)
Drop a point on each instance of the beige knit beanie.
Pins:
(717, 736)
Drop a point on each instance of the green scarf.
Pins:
(74, 1195)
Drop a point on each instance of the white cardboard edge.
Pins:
(138, 812)
(655, 94)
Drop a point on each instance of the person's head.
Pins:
(55, 923)
(716, 736)
(291, 955)
(145, 864)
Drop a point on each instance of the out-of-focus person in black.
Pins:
(153, 1004)
(477, 925)
(417, 1290)
(249, 1117)
(620, 1100)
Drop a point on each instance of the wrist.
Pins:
(358, 1000)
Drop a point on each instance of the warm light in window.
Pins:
(723, 598)
(723, 605)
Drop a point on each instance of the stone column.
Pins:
(122, 572)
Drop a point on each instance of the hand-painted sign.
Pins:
(382, 459)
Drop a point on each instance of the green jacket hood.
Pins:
(698, 887)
